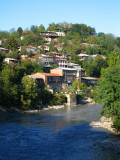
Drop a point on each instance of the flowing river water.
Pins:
(54, 134)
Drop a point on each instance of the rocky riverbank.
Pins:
(105, 123)
(111, 143)
(45, 107)
(86, 100)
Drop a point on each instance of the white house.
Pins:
(83, 57)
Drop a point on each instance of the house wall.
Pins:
(3, 50)
(69, 76)
(54, 83)
(42, 76)
(59, 71)
(34, 50)
(55, 86)
(88, 82)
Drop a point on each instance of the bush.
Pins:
(79, 97)
(108, 94)
(58, 99)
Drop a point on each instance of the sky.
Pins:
(103, 15)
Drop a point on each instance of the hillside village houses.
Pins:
(50, 35)
(85, 57)
(58, 78)
(4, 50)
(65, 73)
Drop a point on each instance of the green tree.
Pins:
(45, 96)
(75, 85)
(91, 50)
(106, 43)
(20, 31)
(32, 39)
(30, 54)
(37, 65)
(113, 59)
(34, 28)
(29, 93)
(9, 93)
(2, 56)
(94, 65)
(13, 54)
(117, 41)
(83, 30)
(4, 34)
(55, 27)
(20, 71)
(53, 66)
(41, 28)
(58, 99)
(108, 94)
(12, 43)
(53, 49)
(28, 66)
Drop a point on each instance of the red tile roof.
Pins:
(58, 59)
(49, 74)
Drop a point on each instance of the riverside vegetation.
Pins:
(19, 91)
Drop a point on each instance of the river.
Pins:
(62, 134)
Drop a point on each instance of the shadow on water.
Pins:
(63, 134)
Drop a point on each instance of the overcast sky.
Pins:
(103, 15)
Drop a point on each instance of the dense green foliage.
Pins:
(12, 43)
(21, 92)
(79, 96)
(94, 65)
(108, 94)
(20, 31)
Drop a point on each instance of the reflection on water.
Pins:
(63, 134)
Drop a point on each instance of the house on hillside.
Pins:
(31, 49)
(10, 61)
(51, 35)
(23, 57)
(94, 56)
(4, 50)
(74, 65)
(83, 56)
(59, 47)
(48, 40)
(62, 63)
(90, 81)
(46, 60)
(52, 80)
(44, 47)
(56, 54)
(39, 81)
(69, 75)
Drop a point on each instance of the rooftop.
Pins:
(83, 54)
(59, 59)
(90, 78)
(48, 74)
(69, 69)
(34, 76)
